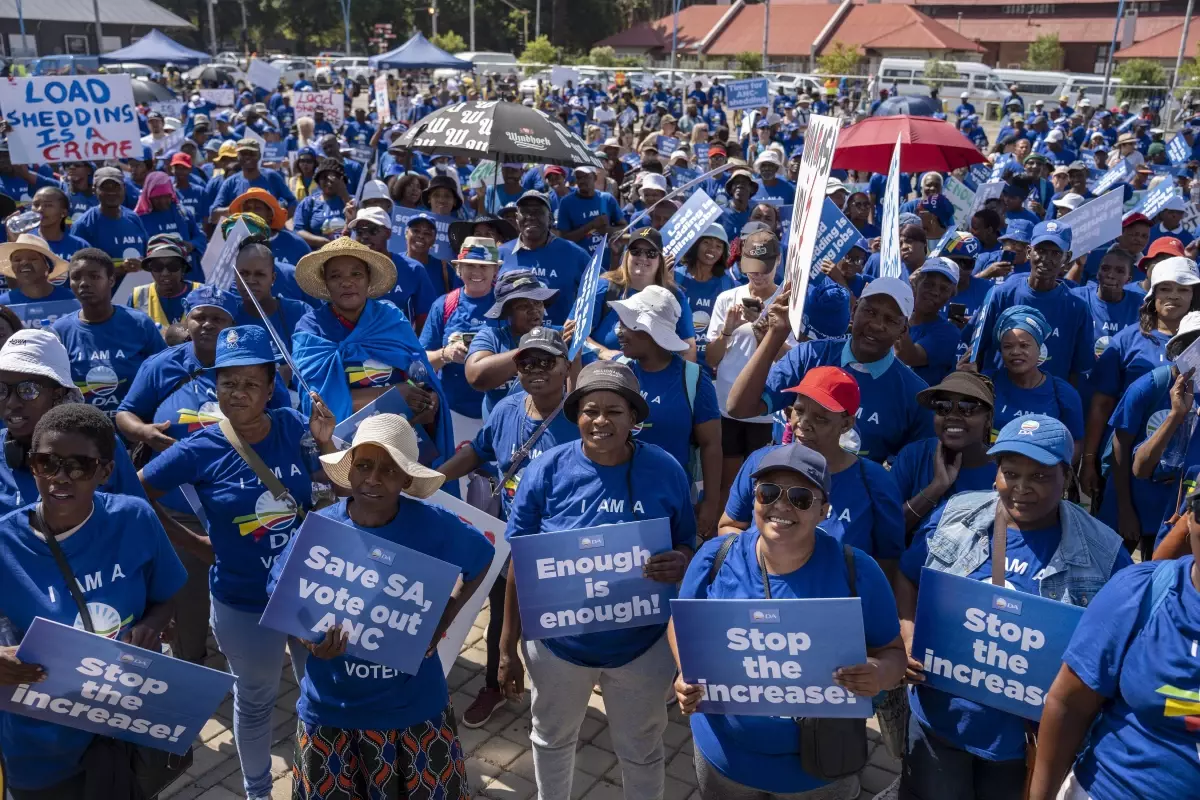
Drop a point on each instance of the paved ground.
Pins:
(499, 759)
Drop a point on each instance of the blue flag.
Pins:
(387, 598)
(590, 580)
(772, 658)
(585, 305)
(114, 689)
(997, 646)
(688, 223)
(43, 315)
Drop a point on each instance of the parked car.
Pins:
(133, 70)
(291, 68)
(528, 86)
(358, 69)
(504, 63)
(229, 57)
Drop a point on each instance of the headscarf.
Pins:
(157, 184)
(1023, 318)
(256, 224)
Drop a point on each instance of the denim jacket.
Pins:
(1082, 563)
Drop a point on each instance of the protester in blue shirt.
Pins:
(554, 261)
(586, 216)
(29, 265)
(930, 345)
(1169, 221)
(160, 212)
(321, 216)
(251, 175)
(1117, 719)
(413, 293)
(607, 477)
(772, 188)
(702, 275)
(420, 233)
(1113, 306)
(110, 226)
(889, 416)
(257, 273)
(1135, 233)
(252, 513)
(359, 724)
(71, 455)
(785, 556)
(55, 209)
(957, 747)
(287, 247)
(740, 187)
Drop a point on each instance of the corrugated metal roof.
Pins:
(115, 12)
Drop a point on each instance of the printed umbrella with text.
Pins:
(926, 145)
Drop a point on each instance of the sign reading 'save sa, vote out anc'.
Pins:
(772, 658)
(111, 688)
(590, 580)
(997, 646)
(70, 118)
(387, 598)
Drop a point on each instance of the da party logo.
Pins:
(105, 619)
(369, 373)
(1182, 703)
(100, 381)
(269, 515)
(209, 413)
(764, 615)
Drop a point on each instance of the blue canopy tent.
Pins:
(156, 48)
(418, 53)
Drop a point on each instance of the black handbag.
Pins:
(116, 770)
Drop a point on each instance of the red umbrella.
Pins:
(926, 145)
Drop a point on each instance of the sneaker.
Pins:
(485, 705)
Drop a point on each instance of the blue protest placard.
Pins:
(979, 173)
(1095, 223)
(387, 598)
(43, 315)
(1121, 172)
(631, 160)
(114, 689)
(70, 118)
(667, 145)
(585, 305)
(390, 402)
(997, 646)
(748, 93)
(1178, 150)
(441, 241)
(835, 235)
(700, 152)
(590, 580)
(687, 224)
(275, 151)
(1088, 157)
(772, 658)
(1152, 202)
(626, 118)
(681, 176)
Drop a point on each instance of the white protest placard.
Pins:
(962, 198)
(252, 134)
(131, 281)
(220, 257)
(1095, 223)
(70, 118)
(809, 201)
(383, 109)
(221, 98)
(329, 102)
(560, 75)
(168, 108)
(166, 144)
(263, 75)
(889, 226)
(987, 191)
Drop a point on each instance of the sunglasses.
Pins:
(368, 228)
(642, 252)
(535, 364)
(798, 496)
(965, 408)
(166, 265)
(77, 468)
(26, 390)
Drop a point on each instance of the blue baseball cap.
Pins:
(798, 458)
(1052, 231)
(244, 346)
(1037, 436)
(961, 245)
(421, 217)
(1018, 230)
(861, 244)
(826, 311)
(208, 295)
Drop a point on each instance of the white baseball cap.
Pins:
(894, 288)
(1069, 201)
(373, 214)
(40, 353)
(942, 266)
(964, 95)
(1174, 203)
(769, 155)
(376, 190)
(1176, 269)
(1054, 136)
(653, 310)
(653, 181)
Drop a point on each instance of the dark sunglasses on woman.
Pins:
(26, 390)
(798, 496)
(77, 468)
(965, 408)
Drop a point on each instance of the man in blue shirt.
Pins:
(109, 225)
(359, 131)
(251, 175)
(586, 216)
(964, 109)
(555, 261)
(17, 180)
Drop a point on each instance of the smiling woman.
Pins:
(30, 266)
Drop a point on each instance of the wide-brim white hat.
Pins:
(394, 434)
(655, 311)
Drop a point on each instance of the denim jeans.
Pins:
(254, 655)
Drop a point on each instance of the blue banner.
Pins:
(387, 598)
(835, 235)
(1179, 151)
(43, 315)
(585, 305)
(114, 689)
(688, 223)
(1121, 172)
(590, 580)
(681, 176)
(441, 242)
(980, 173)
(748, 93)
(772, 658)
(1152, 201)
(631, 160)
(700, 152)
(666, 145)
(996, 646)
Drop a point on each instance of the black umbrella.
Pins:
(501, 132)
(214, 73)
(145, 92)
(915, 106)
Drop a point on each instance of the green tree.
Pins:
(450, 41)
(1045, 53)
(1139, 72)
(1189, 76)
(539, 51)
(747, 62)
(938, 72)
(603, 57)
(840, 59)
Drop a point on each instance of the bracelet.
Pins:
(725, 335)
(925, 498)
(908, 505)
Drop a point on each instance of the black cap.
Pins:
(607, 376)
(646, 234)
(547, 340)
(536, 196)
(799, 459)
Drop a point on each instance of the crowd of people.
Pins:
(1008, 403)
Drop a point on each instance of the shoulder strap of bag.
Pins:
(64, 568)
(851, 569)
(273, 484)
(451, 305)
(1161, 583)
(719, 558)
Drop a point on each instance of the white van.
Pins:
(907, 77)
(504, 63)
(1034, 86)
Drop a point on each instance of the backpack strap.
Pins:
(613, 292)
(450, 305)
(64, 568)
(719, 558)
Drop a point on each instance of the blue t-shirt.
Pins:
(67, 246)
(701, 297)
(605, 319)
(15, 296)
(558, 263)
(671, 418)
(321, 215)
(782, 193)
(238, 184)
(763, 751)
(564, 490)
(289, 248)
(248, 527)
(507, 429)
(733, 221)
(575, 211)
(1054, 397)
(1143, 743)
(441, 275)
(17, 487)
(912, 470)
(1069, 349)
(122, 238)
(1130, 355)
(352, 694)
(466, 317)
(889, 416)
(864, 507)
(124, 563)
(940, 339)
(413, 293)
(1109, 319)
(494, 339)
(105, 356)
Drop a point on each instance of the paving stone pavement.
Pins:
(499, 759)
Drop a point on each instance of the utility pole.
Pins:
(346, 22)
(433, 14)
(674, 42)
(537, 22)
(471, 17)
(766, 32)
(212, 28)
(21, 23)
(99, 28)
(245, 32)
(1187, 22)
(1112, 47)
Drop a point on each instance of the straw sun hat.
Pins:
(393, 433)
(310, 271)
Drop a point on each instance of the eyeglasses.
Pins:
(798, 496)
(535, 364)
(368, 228)
(642, 252)
(965, 408)
(77, 468)
(26, 390)
(166, 265)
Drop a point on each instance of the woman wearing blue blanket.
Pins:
(784, 556)
(111, 536)
(1051, 548)
(366, 730)
(353, 348)
(253, 475)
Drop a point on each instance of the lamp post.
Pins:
(674, 42)
(1108, 62)
(346, 22)
(99, 28)
(1187, 23)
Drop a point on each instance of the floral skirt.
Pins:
(423, 762)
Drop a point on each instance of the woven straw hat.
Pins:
(394, 434)
(310, 271)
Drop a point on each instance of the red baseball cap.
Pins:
(555, 170)
(1162, 246)
(832, 387)
(181, 158)
(1134, 219)
(715, 150)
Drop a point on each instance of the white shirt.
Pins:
(740, 345)
(604, 116)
